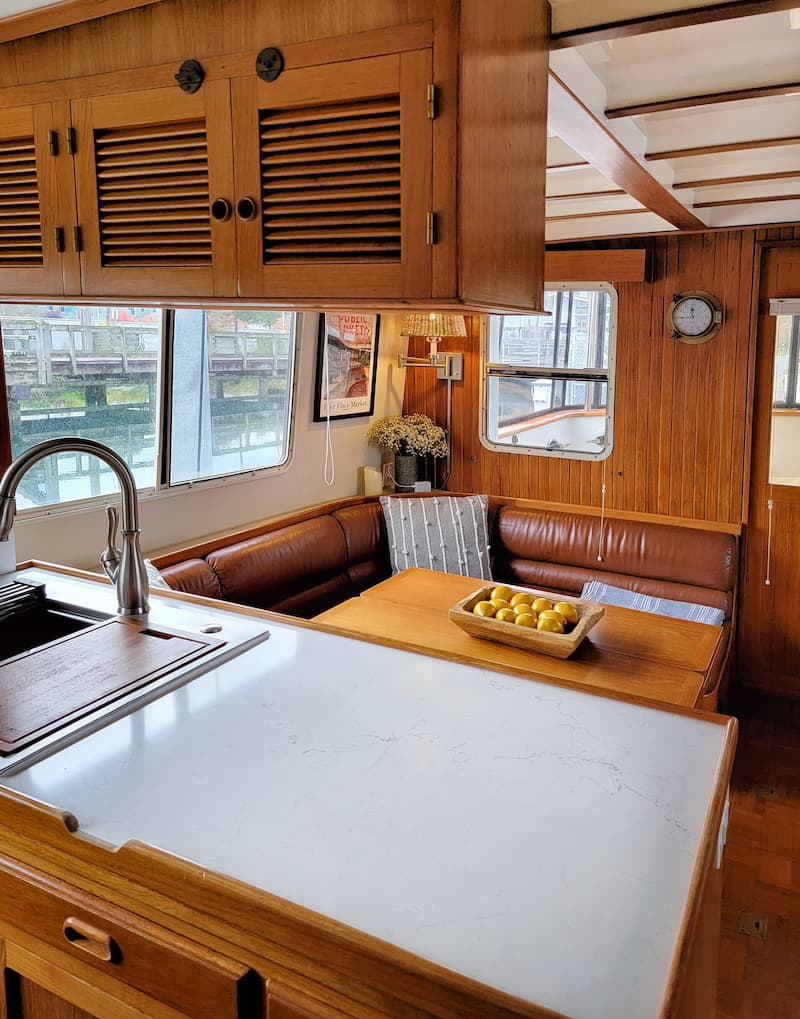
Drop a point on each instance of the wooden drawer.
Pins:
(188, 977)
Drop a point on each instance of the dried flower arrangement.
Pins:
(411, 434)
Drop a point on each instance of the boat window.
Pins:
(548, 380)
(784, 460)
(182, 396)
(231, 392)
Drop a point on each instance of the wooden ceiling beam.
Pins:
(61, 15)
(666, 21)
(565, 167)
(585, 194)
(713, 150)
(748, 178)
(746, 201)
(582, 131)
(708, 99)
(595, 215)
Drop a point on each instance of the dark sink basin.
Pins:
(33, 627)
(29, 619)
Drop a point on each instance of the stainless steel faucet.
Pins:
(126, 568)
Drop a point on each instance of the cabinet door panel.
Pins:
(30, 212)
(338, 159)
(148, 166)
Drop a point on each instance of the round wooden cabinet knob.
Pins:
(221, 210)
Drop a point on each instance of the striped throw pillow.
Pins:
(446, 533)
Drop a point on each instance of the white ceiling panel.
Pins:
(569, 14)
(605, 226)
(558, 152)
(581, 180)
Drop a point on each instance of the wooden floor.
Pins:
(760, 949)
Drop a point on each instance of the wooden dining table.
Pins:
(634, 653)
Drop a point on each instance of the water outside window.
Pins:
(231, 392)
(82, 371)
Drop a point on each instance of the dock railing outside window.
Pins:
(548, 381)
(182, 396)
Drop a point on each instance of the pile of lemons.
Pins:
(525, 609)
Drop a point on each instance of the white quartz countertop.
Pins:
(538, 839)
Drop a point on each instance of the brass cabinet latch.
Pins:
(430, 228)
(77, 238)
(52, 142)
(71, 145)
(59, 239)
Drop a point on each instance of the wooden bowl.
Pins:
(558, 645)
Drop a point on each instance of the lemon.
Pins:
(521, 598)
(484, 608)
(502, 591)
(506, 615)
(500, 603)
(550, 624)
(526, 619)
(552, 614)
(542, 604)
(567, 610)
(523, 609)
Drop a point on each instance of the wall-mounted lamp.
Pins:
(435, 326)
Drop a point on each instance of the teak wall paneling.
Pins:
(769, 628)
(680, 433)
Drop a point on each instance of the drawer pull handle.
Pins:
(90, 939)
(246, 209)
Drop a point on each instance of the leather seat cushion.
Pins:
(193, 576)
(271, 569)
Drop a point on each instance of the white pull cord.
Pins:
(329, 472)
(770, 507)
(600, 557)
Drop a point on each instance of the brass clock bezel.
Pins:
(714, 306)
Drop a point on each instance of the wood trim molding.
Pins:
(564, 167)
(666, 21)
(595, 215)
(584, 194)
(63, 14)
(615, 266)
(712, 150)
(708, 99)
(748, 178)
(582, 131)
(745, 201)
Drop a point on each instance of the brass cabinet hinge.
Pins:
(71, 145)
(52, 142)
(430, 227)
(431, 102)
(77, 238)
(59, 239)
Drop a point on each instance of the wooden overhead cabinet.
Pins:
(386, 166)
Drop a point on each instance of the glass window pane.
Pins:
(231, 392)
(549, 414)
(84, 371)
(784, 453)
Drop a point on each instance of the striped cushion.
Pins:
(595, 590)
(444, 532)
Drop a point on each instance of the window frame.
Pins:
(162, 488)
(591, 376)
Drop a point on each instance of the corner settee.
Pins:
(306, 562)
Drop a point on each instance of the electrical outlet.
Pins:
(388, 474)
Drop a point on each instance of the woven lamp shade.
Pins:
(433, 324)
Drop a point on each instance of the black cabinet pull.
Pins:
(246, 209)
(221, 210)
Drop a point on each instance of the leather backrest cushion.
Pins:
(193, 576)
(660, 552)
(569, 580)
(266, 570)
(364, 532)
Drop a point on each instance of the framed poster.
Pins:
(347, 354)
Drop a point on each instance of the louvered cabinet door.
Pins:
(336, 162)
(149, 166)
(32, 223)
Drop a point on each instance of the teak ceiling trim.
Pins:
(712, 150)
(575, 124)
(565, 167)
(62, 15)
(584, 194)
(713, 182)
(594, 215)
(615, 266)
(708, 99)
(666, 21)
(745, 201)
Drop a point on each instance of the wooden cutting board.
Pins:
(46, 689)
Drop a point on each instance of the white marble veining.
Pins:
(538, 839)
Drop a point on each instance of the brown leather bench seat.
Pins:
(306, 562)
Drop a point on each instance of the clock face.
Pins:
(692, 316)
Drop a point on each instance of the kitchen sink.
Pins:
(29, 619)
